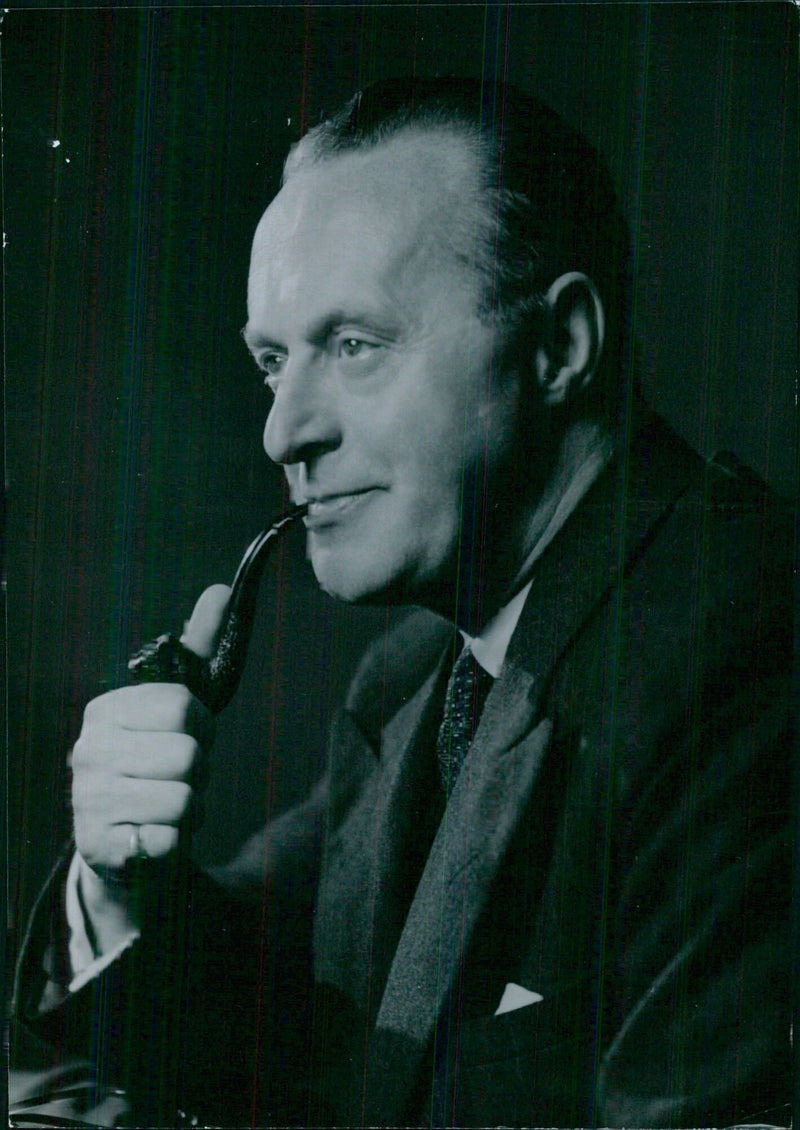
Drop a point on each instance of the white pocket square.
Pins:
(514, 997)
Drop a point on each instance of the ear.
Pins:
(567, 358)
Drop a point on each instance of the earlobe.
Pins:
(567, 359)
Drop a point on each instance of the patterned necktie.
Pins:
(463, 702)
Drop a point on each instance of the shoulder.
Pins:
(702, 531)
(725, 553)
(693, 600)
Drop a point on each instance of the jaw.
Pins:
(477, 578)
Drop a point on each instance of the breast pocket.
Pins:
(531, 1066)
(528, 1030)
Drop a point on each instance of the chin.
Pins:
(360, 571)
(350, 592)
(347, 578)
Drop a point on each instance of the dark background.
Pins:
(134, 416)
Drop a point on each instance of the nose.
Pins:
(303, 422)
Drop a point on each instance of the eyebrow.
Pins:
(256, 341)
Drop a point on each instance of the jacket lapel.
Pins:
(369, 856)
(493, 788)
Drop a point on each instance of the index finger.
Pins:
(167, 707)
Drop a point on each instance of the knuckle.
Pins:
(164, 706)
(160, 840)
(181, 702)
(105, 707)
(174, 801)
(182, 798)
(88, 846)
(85, 820)
(85, 785)
(93, 749)
(93, 710)
(186, 754)
(102, 712)
(79, 755)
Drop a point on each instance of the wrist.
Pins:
(108, 909)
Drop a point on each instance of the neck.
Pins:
(518, 529)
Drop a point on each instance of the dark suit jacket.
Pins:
(618, 841)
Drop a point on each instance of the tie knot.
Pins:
(464, 698)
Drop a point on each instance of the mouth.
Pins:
(328, 509)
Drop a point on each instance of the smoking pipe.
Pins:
(214, 680)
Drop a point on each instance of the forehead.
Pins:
(391, 208)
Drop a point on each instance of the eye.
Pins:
(365, 351)
(357, 357)
(271, 365)
(353, 346)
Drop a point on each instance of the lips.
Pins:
(328, 509)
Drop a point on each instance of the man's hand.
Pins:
(135, 767)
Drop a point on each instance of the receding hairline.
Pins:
(450, 146)
(548, 203)
(444, 158)
(448, 158)
(322, 143)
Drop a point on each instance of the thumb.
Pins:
(202, 628)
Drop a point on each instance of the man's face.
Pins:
(363, 313)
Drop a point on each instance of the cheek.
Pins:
(431, 506)
(428, 464)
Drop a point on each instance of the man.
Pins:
(562, 899)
